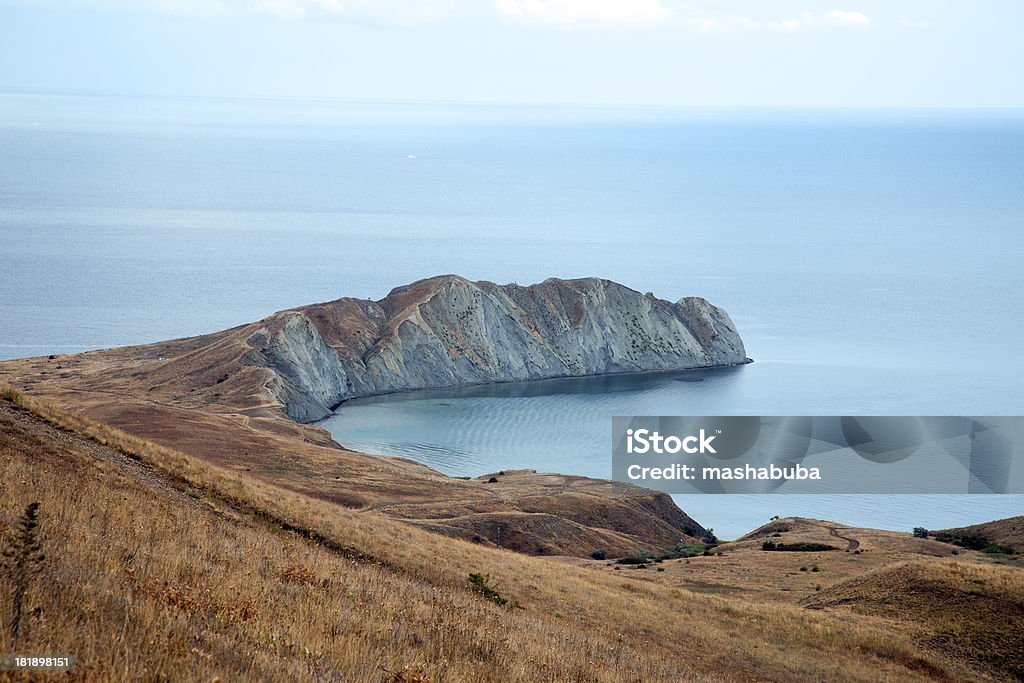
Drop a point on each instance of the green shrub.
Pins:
(975, 543)
(481, 584)
(920, 532)
(599, 554)
(797, 547)
(994, 549)
(683, 550)
(639, 557)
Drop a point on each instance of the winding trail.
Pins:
(851, 543)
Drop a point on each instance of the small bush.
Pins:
(298, 574)
(23, 558)
(481, 584)
(599, 554)
(975, 543)
(920, 532)
(994, 549)
(685, 550)
(797, 547)
(11, 394)
(641, 557)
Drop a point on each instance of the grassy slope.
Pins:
(161, 566)
(970, 611)
(1005, 532)
(169, 393)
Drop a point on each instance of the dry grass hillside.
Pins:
(192, 396)
(1004, 532)
(971, 612)
(163, 567)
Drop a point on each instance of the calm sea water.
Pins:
(870, 259)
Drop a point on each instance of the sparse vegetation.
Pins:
(246, 581)
(975, 543)
(11, 394)
(969, 610)
(685, 550)
(23, 559)
(797, 547)
(481, 584)
(640, 557)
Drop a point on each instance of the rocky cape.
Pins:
(243, 399)
(447, 331)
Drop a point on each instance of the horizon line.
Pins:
(68, 92)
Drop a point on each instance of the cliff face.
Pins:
(448, 331)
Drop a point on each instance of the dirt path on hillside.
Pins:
(22, 422)
(851, 543)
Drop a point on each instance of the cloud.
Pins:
(378, 11)
(733, 22)
(846, 19)
(282, 9)
(570, 12)
(787, 25)
(725, 22)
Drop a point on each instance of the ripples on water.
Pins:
(564, 425)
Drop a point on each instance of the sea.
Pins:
(870, 258)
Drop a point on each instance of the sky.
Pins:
(763, 53)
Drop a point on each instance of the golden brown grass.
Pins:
(538, 514)
(974, 612)
(160, 567)
(1005, 532)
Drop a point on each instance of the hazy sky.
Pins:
(660, 52)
